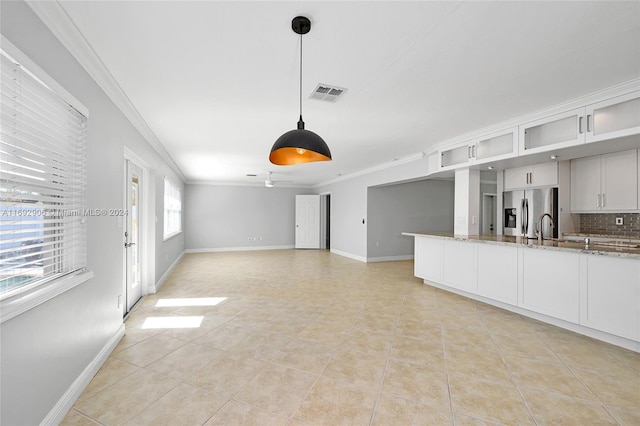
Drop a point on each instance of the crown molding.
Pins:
(396, 162)
(53, 15)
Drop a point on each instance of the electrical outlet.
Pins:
(619, 221)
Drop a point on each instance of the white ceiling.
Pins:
(217, 82)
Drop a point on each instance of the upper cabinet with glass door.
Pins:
(609, 119)
(491, 147)
(605, 120)
(613, 118)
(558, 131)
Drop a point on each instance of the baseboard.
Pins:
(389, 258)
(252, 248)
(349, 255)
(166, 274)
(72, 394)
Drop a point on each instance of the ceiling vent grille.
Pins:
(327, 93)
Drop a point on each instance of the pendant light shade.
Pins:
(299, 145)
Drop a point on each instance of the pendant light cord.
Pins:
(300, 77)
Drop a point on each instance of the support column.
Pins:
(467, 202)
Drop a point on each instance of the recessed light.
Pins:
(490, 167)
(553, 157)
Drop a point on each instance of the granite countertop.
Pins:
(561, 245)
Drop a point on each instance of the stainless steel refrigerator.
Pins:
(523, 209)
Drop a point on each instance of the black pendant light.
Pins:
(299, 145)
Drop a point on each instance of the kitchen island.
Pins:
(593, 290)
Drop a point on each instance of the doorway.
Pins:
(489, 214)
(325, 221)
(132, 241)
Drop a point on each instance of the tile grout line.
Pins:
(506, 365)
(386, 365)
(446, 364)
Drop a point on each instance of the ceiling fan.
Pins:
(269, 182)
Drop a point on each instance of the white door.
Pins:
(307, 221)
(132, 235)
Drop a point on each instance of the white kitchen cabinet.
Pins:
(550, 283)
(498, 272)
(538, 175)
(613, 118)
(459, 266)
(558, 131)
(490, 147)
(428, 258)
(496, 146)
(606, 182)
(610, 292)
(456, 156)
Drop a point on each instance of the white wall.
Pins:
(219, 217)
(46, 348)
(419, 206)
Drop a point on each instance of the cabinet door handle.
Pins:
(597, 200)
(469, 154)
(603, 200)
(474, 151)
(580, 125)
(589, 124)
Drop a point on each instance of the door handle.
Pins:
(597, 200)
(603, 201)
(522, 217)
(588, 123)
(127, 245)
(580, 125)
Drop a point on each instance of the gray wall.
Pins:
(416, 206)
(221, 217)
(46, 348)
(349, 204)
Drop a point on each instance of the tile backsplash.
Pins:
(599, 223)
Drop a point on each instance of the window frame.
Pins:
(168, 234)
(16, 301)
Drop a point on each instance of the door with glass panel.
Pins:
(132, 236)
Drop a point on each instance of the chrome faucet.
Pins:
(539, 226)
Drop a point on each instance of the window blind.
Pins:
(42, 182)
(172, 208)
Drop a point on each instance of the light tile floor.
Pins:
(307, 337)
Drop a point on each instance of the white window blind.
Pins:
(172, 209)
(42, 182)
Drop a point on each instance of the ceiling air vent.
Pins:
(324, 92)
